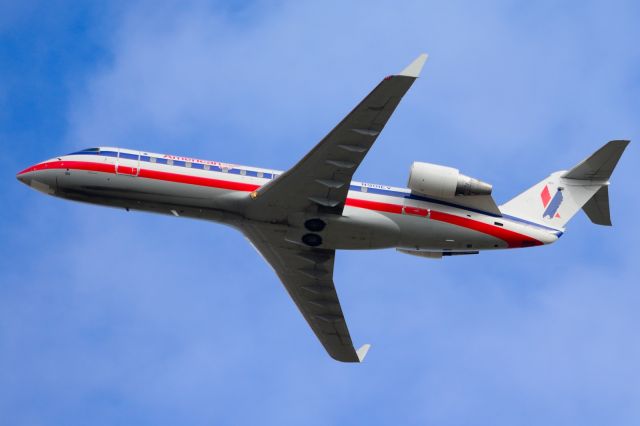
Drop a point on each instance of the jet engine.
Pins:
(443, 182)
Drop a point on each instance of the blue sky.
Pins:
(108, 317)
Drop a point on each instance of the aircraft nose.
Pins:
(23, 177)
(38, 179)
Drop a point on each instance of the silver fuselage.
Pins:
(374, 216)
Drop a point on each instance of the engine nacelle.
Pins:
(444, 182)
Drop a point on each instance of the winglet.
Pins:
(362, 352)
(415, 67)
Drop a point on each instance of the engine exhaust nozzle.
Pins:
(470, 186)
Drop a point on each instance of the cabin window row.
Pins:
(177, 163)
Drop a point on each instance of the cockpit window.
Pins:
(86, 151)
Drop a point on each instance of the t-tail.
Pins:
(557, 198)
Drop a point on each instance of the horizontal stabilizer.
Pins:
(600, 164)
(597, 208)
(557, 198)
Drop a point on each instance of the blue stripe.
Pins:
(353, 187)
(410, 196)
(177, 163)
(519, 219)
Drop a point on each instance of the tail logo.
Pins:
(552, 204)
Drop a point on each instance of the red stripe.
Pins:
(144, 173)
(374, 205)
(126, 170)
(197, 180)
(75, 165)
(416, 211)
(513, 239)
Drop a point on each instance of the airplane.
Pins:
(299, 218)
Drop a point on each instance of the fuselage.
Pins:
(375, 216)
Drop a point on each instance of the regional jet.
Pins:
(299, 218)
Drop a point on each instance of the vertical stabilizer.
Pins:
(556, 199)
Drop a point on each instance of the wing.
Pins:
(307, 274)
(320, 181)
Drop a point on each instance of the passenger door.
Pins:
(128, 163)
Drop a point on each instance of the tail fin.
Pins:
(556, 199)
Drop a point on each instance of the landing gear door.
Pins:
(128, 163)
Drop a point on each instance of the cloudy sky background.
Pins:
(108, 317)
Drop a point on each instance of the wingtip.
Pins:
(362, 352)
(415, 67)
(617, 144)
(622, 142)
